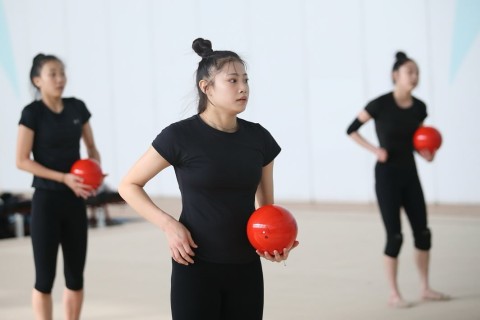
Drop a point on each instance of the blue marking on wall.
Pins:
(7, 62)
(466, 29)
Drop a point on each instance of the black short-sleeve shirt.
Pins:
(395, 126)
(218, 175)
(56, 143)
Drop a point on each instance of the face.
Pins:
(228, 90)
(406, 77)
(52, 79)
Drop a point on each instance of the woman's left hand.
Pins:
(277, 256)
(78, 187)
(427, 155)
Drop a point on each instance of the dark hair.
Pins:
(212, 61)
(38, 63)
(401, 59)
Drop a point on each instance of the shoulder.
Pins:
(31, 114)
(255, 131)
(77, 106)
(33, 108)
(174, 135)
(34, 105)
(252, 126)
(419, 103)
(420, 107)
(72, 101)
(376, 105)
(383, 99)
(180, 128)
(259, 136)
(248, 124)
(182, 125)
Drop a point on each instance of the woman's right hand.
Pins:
(382, 155)
(78, 187)
(427, 154)
(180, 242)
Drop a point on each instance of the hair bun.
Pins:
(202, 47)
(39, 57)
(400, 55)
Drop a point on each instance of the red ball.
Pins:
(89, 170)
(427, 138)
(270, 228)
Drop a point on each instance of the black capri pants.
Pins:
(216, 291)
(396, 187)
(58, 219)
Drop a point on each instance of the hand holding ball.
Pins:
(271, 228)
(427, 138)
(90, 171)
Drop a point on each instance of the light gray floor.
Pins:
(335, 273)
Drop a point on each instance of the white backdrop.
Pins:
(312, 65)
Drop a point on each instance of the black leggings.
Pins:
(398, 187)
(216, 291)
(58, 218)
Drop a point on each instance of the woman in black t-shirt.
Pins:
(222, 164)
(397, 116)
(50, 129)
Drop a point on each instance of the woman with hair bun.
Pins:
(397, 116)
(51, 129)
(222, 163)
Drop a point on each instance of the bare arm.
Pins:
(264, 197)
(87, 135)
(379, 152)
(264, 193)
(131, 187)
(132, 191)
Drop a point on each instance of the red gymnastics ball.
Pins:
(89, 170)
(271, 228)
(427, 138)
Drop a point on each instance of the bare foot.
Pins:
(430, 295)
(398, 303)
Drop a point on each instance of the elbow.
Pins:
(351, 130)
(20, 163)
(121, 189)
(122, 193)
(356, 124)
(351, 133)
(129, 187)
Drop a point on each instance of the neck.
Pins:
(225, 123)
(402, 93)
(402, 97)
(53, 103)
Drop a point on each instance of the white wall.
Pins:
(312, 65)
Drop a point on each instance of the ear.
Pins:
(37, 81)
(394, 76)
(203, 85)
